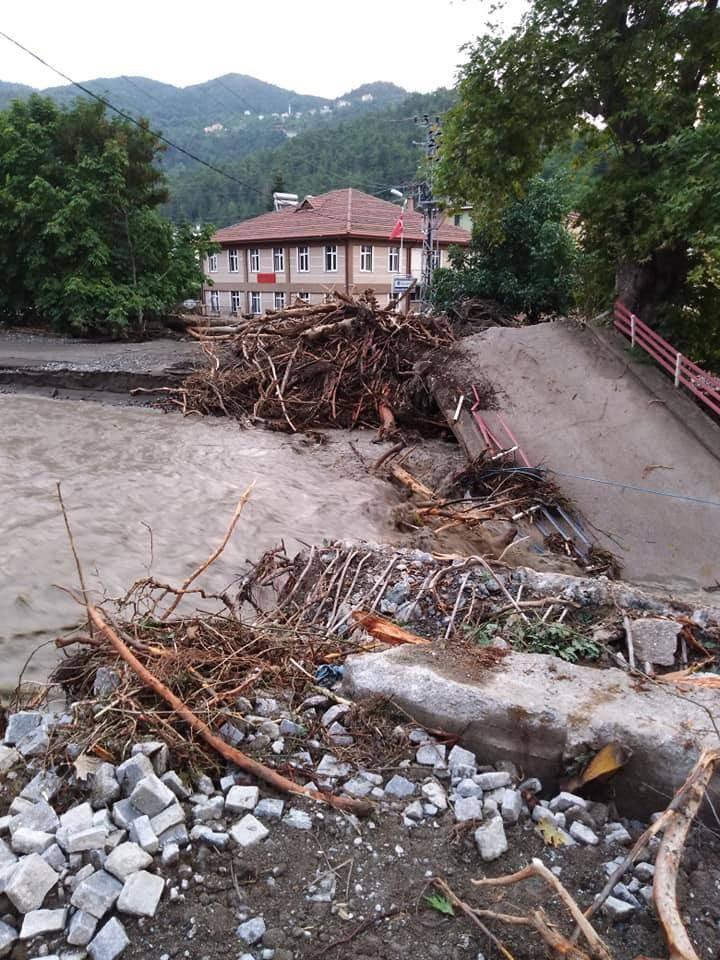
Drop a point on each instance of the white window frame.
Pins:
(279, 300)
(331, 257)
(366, 251)
(436, 259)
(279, 259)
(255, 302)
(254, 260)
(233, 260)
(215, 301)
(303, 257)
(213, 263)
(393, 259)
(235, 301)
(305, 297)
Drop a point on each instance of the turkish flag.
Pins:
(397, 230)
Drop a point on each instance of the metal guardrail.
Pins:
(705, 386)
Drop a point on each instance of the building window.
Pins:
(254, 258)
(213, 263)
(303, 259)
(435, 260)
(215, 301)
(233, 262)
(394, 260)
(305, 297)
(255, 302)
(366, 258)
(279, 300)
(456, 219)
(331, 258)
(235, 301)
(278, 260)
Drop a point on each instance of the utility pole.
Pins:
(428, 205)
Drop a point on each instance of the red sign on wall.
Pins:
(266, 278)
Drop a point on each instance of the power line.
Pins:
(632, 486)
(127, 116)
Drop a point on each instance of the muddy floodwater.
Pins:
(149, 492)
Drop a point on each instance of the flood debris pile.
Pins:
(469, 604)
(346, 363)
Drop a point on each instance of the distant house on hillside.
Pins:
(335, 241)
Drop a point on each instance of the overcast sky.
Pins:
(312, 46)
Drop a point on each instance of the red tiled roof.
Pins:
(339, 213)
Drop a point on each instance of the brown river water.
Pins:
(127, 471)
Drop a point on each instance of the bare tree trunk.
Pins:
(645, 287)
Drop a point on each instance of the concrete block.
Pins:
(435, 794)
(297, 819)
(8, 758)
(74, 881)
(269, 808)
(177, 834)
(97, 894)
(124, 812)
(174, 783)
(564, 801)
(618, 910)
(110, 942)
(493, 780)
(491, 840)
(358, 787)
(30, 882)
(8, 936)
(583, 834)
(105, 786)
(81, 928)
(331, 768)
(77, 818)
(468, 788)
(205, 785)
(400, 787)
(141, 894)
(22, 724)
(142, 833)
(248, 831)
(241, 799)
(169, 817)
(26, 840)
(158, 753)
(38, 922)
(150, 794)
(211, 809)
(126, 859)
(90, 838)
(655, 640)
(131, 771)
(468, 808)
(430, 754)
(202, 833)
(461, 762)
(511, 806)
(43, 786)
(36, 816)
(35, 744)
(55, 857)
(171, 853)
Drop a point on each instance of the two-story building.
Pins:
(338, 241)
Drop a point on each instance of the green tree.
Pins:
(637, 80)
(82, 244)
(528, 261)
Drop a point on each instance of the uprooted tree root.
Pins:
(674, 823)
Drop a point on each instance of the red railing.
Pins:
(705, 386)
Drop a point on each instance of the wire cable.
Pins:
(632, 486)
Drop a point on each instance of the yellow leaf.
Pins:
(552, 836)
(607, 761)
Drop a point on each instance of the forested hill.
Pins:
(372, 152)
(223, 118)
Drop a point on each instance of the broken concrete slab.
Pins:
(538, 710)
(655, 640)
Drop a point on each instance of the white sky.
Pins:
(317, 47)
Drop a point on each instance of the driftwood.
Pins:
(385, 630)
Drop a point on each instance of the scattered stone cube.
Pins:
(79, 841)
(435, 794)
(252, 931)
(248, 831)
(174, 783)
(205, 785)
(22, 724)
(36, 816)
(8, 936)
(583, 834)
(87, 871)
(492, 780)
(563, 801)
(288, 728)
(169, 817)
(106, 788)
(177, 834)
(77, 818)
(25, 840)
(38, 922)
(468, 788)
(655, 640)
(107, 680)
(35, 744)
(358, 787)
(81, 928)
(430, 754)
(297, 819)
(491, 840)
(158, 753)
(270, 808)
(8, 758)
(468, 808)
(461, 762)
(55, 857)
(622, 892)
(170, 854)
(241, 799)
(97, 894)
(30, 882)
(400, 787)
(264, 707)
(132, 771)
(142, 833)
(618, 910)
(43, 786)
(511, 806)
(211, 809)
(616, 833)
(141, 894)
(126, 859)
(331, 768)
(333, 713)
(110, 942)
(414, 811)
(150, 795)
(644, 872)
(211, 838)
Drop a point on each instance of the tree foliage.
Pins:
(528, 261)
(637, 80)
(82, 242)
